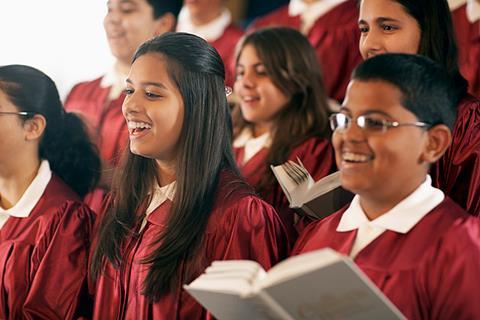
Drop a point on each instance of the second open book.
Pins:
(321, 284)
(316, 199)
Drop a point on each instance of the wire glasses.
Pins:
(17, 113)
(370, 123)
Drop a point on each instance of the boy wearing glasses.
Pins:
(418, 246)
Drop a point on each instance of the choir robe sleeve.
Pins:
(450, 275)
(58, 271)
(318, 157)
(457, 173)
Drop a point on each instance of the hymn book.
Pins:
(321, 284)
(314, 199)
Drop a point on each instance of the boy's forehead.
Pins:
(363, 96)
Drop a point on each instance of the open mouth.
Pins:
(351, 157)
(136, 128)
(250, 99)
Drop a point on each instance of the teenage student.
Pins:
(415, 243)
(47, 163)
(178, 202)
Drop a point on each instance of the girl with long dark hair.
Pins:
(47, 163)
(282, 113)
(425, 27)
(177, 202)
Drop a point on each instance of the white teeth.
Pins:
(355, 157)
(249, 98)
(138, 125)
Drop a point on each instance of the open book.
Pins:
(321, 284)
(315, 199)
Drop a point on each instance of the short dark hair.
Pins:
(427, 89)
(204, 150)
(65, 142)
(437, 40)
(161, 7)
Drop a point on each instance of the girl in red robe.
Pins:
(127, 24)
(331, 28)
(212, 21)
(425, 27)
(418, 246)
(466, 20)
(46, 163)
(178, 202)
(282, 113)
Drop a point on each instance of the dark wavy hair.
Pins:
(204, 150)
(65, 142)
(292, 65)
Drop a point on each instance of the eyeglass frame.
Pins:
(17, 113)
(386, 124)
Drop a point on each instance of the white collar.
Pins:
(309, 13)
(32, 195)
(160, 195)
(455, 4)
(210, 31)
(252, 145)
(473, 11)
(401, 218)
(115, 80)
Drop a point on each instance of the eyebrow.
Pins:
(379, 20)
(149, 83)
(345, 108)
(255, 65)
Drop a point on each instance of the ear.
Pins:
(35, 127)
(439, 139)
(165, 23)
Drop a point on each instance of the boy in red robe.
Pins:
(418, 246)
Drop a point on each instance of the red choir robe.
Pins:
(457, 173)
(318, 157)
(335, 37)
(43, 258)
(468, 40)
(106, 122)
(225, 46)
(241, 226)
(431, 272)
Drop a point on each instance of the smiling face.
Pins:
(378, 165)
(153, 109)
(260, 99)
(385, 26)
(128, 24)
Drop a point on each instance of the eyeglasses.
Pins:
(369, 123)
(18, 113)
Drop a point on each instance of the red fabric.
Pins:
(241, 226)
(335, 37)
(468, 39)
(318, 157)
(43, 258)
(457, 173)
(225, 46)
(106, 123)
(429, 273)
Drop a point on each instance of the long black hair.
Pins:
(65, 142)
(204, 150)
(292, 65)
(437, 40)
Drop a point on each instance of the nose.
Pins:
(353, 132)
(370, 44)
(247, 80)
(131, 105)
(112, 17)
